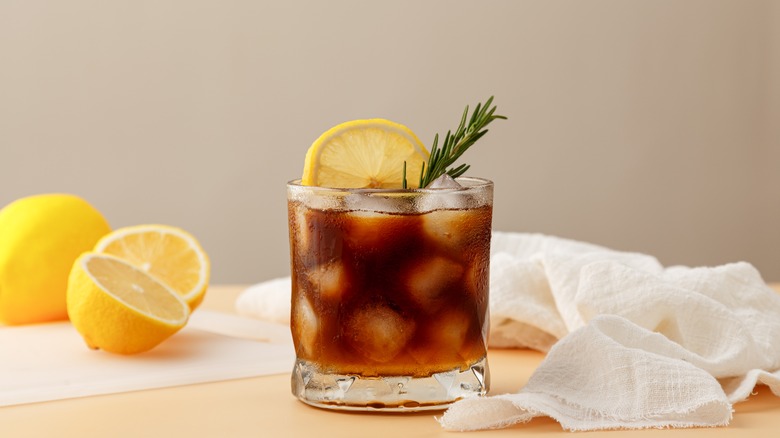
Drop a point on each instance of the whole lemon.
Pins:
(40, 238)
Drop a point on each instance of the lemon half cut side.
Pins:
(119, 308)
(364, 154)
(171, 255)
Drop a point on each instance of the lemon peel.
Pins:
(40, 237)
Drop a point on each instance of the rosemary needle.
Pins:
(470, 129)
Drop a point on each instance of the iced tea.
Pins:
(390, 295)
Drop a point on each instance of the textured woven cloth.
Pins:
(631, 344)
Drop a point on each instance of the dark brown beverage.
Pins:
(396, 290)
(390, 294)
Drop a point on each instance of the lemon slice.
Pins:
(364, 154)
(169, 254)
(119, 308)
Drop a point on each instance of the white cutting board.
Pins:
(44, 362)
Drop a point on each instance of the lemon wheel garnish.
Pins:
(169, 254)
(119, 308)
(364, 154)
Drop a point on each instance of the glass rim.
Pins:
(480, 183)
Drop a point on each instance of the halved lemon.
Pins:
(119, 308)
(169, 254)
(364, 154)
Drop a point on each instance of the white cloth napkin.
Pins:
(631, 344)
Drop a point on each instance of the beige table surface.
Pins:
(264, 407)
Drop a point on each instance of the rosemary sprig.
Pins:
(469, 131)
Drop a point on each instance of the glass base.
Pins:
(389, 393)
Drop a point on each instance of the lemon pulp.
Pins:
(365, 154)
(119, 308)
(169, 254)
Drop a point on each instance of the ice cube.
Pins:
(444, 182)
(446, 227)
(378, 332)
(450, 329)
(455, 230)
(374, 202)
(445, 194)
(366, 230)
(305, 326)
(445, 336)
(427, 281)
(456, 329)
(328, 280)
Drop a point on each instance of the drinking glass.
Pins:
(390, 295)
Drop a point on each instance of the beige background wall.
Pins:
(650, 126)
